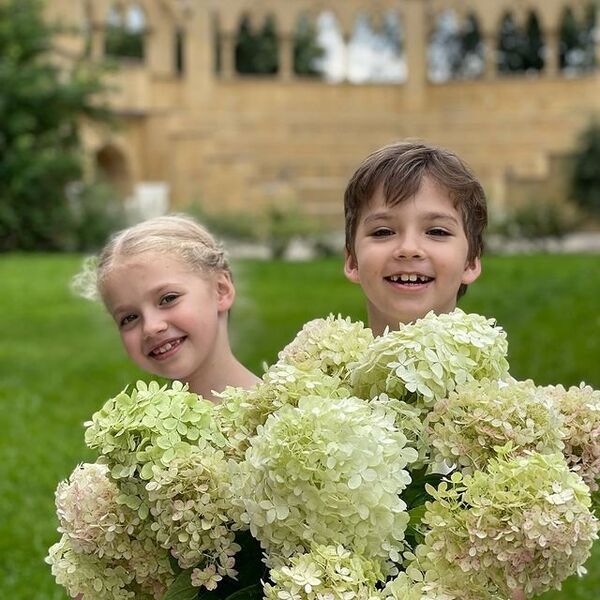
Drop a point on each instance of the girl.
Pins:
(168, 287)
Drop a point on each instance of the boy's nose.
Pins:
(408, 247)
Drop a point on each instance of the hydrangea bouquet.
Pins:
(410, 466)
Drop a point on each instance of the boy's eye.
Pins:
(382, 232)
(438, 231)
(168, 298)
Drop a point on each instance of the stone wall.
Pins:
(236, 142)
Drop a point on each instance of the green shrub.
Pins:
(538, 221)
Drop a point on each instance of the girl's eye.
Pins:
(127, 319)
(438, 232)
(168, 298)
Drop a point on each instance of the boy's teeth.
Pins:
(405, 277)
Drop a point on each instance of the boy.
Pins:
(415, 216)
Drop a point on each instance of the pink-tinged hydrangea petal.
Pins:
(478, 418)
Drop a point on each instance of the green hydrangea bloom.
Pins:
(150, 427)
(524, 523)
(477, 418)
(330, 572)
(329, 471)
(328, 345)
(424, 361)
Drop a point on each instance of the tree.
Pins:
(41, 106)
(586, 175)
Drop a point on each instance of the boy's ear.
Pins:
(225, 291)
(350, 267)
(472, 271)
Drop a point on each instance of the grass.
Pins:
(61, 359)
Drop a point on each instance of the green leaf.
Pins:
(416, 493)
(182, 588)
(252, 592)
(414, 530)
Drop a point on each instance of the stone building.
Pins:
(194, 128)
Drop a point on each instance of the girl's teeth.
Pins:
(164, 348)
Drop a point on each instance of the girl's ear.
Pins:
(225, 291)
(350, 267)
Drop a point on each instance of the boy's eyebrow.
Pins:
(436, 216)
(430, 216)
(377, 216)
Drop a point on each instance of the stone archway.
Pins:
(111, 165)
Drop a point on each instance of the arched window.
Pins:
(455, 51)
(111, 166)
(125, 32)
(520, 49)
(256, 52)
(308, 52)
(333, 63)
(577, 46)
(375, 51)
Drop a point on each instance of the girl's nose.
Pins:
(153, 325)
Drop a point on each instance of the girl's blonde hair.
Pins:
(174, 235)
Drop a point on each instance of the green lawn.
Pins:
(60, 359)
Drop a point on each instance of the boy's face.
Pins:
(410, 258)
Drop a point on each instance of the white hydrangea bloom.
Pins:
(329, 471)
(424, 361)
(326, 572)
(328, 345)
(242, 411)
(479, 417)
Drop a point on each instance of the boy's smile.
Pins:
(410, 258)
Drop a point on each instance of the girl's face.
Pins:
(172, 320)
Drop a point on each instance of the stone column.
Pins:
(596, 40)
(228, 70)
(97, 36)
(285, 50)
(415, 26)
(552, 53)
(198, 57)
(160, 49)
(490, 51)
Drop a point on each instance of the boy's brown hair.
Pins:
(399, 168)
